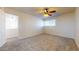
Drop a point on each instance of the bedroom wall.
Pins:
(77, 26)
(2, 27)
(28, 24)
(65, 26)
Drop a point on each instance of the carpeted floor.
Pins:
(43, 42)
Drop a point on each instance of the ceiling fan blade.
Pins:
(52, 11)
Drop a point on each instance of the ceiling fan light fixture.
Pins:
(46, 15)
(46, 12)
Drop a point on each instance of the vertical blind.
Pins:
(50, 22)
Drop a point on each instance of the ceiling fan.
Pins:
(46, 12)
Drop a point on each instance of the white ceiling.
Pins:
(35, 10)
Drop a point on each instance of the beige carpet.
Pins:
(43, 42)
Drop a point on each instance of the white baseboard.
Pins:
(23, 37)
(60, 35)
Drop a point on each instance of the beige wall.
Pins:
(28, 24)
(77, 27)
(65, 26)
(2, 27)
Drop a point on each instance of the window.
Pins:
(11, 21)
(50, 22)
